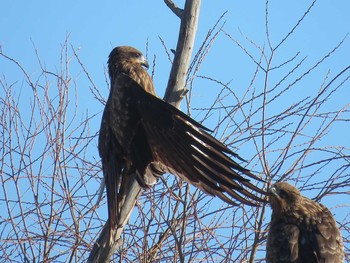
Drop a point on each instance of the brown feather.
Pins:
(301, 230)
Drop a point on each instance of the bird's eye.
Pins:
(136, 55)
(283, 194)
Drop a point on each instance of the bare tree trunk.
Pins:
(103, 249)
(176, 88)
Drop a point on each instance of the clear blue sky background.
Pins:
(95, 27)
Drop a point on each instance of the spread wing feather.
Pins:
(183, 145)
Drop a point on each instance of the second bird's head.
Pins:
(282, 196)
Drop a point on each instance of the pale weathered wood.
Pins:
(105, 246)
(173, 7)
(176, 88)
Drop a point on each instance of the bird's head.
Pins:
(283, 196)
(125, 56)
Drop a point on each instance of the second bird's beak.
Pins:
(273, 191)
(144, 62)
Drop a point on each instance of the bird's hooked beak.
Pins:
(144, 62)
(273, 191)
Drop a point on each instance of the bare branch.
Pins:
(176, 88)
(174, 8)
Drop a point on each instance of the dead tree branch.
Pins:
(174, 8)
(176, 88)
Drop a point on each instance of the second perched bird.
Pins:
(301, 230)
(141, 134)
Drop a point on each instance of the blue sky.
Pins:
(96, 27)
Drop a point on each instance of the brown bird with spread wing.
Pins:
(301, 230)
(143, 135)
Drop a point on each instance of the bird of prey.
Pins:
(143, 135)
(301, 230)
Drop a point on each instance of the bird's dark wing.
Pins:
(187, 150)
(327, 240)
(301, 230)
(112, 164)
(283, 243)
(123, 147)
(313, 238)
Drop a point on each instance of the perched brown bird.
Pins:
(143, 135)
(301, 230)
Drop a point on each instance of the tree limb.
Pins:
(174, 8)
(176, 88)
